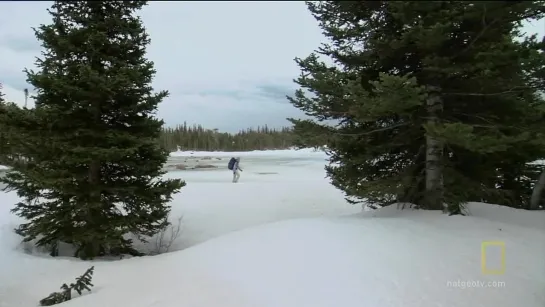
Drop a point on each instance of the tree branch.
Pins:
(510, 91)
(373, 131)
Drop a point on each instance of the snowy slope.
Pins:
(287, 239)
(396, 258)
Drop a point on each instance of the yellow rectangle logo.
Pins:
(484, 268)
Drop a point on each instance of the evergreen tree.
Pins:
(426, 100)
(92, 160)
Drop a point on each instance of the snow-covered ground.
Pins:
(284, 237)
(286, 153)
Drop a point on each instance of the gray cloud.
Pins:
(20, 44)
(276, 92)
(235, 94)
(268, 92)
(17, 81)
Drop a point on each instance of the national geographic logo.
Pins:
(493, 257)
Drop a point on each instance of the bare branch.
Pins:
(163, 243)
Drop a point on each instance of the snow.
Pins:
(284, 237)
(2, 167)
(306, 152)
(537, 162)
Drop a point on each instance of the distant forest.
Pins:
(196, 137)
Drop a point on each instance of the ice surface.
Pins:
(284, 237)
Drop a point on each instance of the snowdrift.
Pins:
(382, 258)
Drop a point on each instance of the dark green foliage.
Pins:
(82, 283)
(10, 115)
(92, 162)
(198, 138)
(13, 138)
(391, 56)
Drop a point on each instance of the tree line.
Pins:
(437, 103)
(196, 137)
(182, 137)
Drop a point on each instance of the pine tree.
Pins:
(415, 108)
(93, 161)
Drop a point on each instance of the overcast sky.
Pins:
(227, 65)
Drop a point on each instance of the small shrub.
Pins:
(82, 283)
(167, 236)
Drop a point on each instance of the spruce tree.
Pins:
(426, 100)
(93, 161)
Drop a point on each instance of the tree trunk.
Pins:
(434, 156)
(537, 192)
(92, 248)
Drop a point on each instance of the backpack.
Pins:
(231, 163)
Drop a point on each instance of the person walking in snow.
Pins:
(234, 165)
